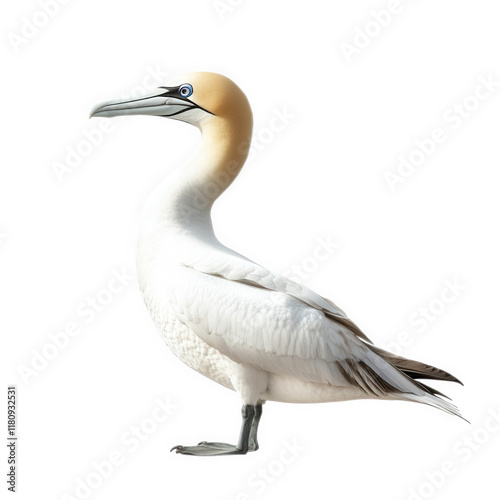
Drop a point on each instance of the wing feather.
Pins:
(234, 267)
(262, 319)
(274, 331)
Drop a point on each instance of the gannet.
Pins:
(238, 323)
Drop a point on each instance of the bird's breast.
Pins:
(161, 281)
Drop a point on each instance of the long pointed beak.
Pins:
(157, 103)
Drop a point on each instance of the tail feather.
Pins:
(416, 370)
(436, 402)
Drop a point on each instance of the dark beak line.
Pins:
(169, 92)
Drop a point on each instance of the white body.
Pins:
(243, 326)
(231, 319)
(188, 305)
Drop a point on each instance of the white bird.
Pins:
(250, 329)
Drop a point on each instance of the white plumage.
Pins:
(234, 321)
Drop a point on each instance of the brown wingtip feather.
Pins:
(415, 369)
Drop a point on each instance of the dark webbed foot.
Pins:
(208, 449)
(247, 442)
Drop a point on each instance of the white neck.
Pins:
(183, 201)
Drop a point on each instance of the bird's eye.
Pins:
(185, 90)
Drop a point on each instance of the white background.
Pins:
(321, 175)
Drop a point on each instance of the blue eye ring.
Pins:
(185, 90)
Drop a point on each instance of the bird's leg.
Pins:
(253, 444)
(248, 428)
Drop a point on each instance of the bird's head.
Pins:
(196, 98)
